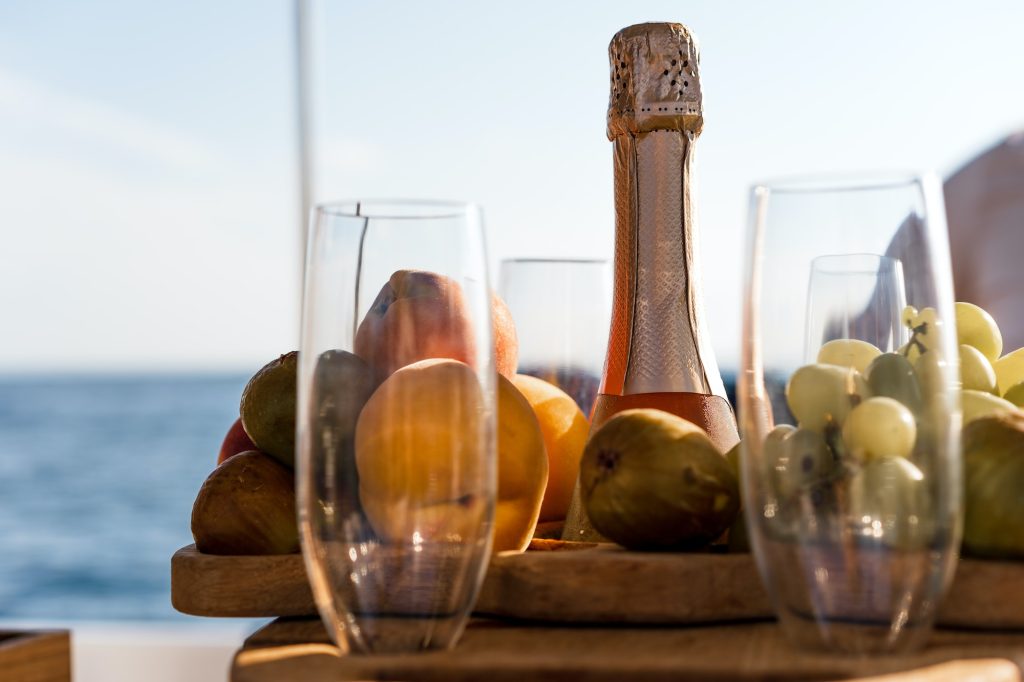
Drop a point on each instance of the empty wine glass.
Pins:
(849, 409)
(561, 308)
(397, 460)
(855, 296)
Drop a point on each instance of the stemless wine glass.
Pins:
(561, 308)
(849, 409)
(396, 472)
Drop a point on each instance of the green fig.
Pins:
(994, 486)
(268, 408)
(342, 384)
(651, 480)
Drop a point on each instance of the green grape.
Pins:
(1009, 370)
(976, 404)
(774, 452)
(796, 458)
(892, 376)
(908, 316)
(934, 375)
(976, 372)
(774, 447)
(848, 353)
(939, 389)
(819, 395)
(888, 503)
(1016, 394)
(809, 457)
(975, 327)
(880, 427)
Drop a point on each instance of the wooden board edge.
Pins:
(221, 586)
(38, 655)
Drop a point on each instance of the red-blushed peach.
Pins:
(506, 342)
(236, 440)
(420, 315)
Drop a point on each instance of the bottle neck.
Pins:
(658, 340)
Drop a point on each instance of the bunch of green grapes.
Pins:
(992, 382)
(993, 390)
(866, 423)
(857, 411)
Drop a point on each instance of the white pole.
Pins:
(303, 114)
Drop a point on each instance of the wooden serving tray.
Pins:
(588, 583)
(502, 651)
(37, 656)
(593, 584)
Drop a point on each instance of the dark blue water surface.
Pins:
(97, 480)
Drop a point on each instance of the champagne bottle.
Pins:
(659, 351)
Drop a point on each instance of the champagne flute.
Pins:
(855, 296)
(849, 409)
(561, 308)
(396, 426)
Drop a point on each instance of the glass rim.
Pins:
(843, 182)
(819, 263)
(396, 209)
(566, 261)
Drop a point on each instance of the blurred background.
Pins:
(151, 213)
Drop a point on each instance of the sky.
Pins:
(148, 191)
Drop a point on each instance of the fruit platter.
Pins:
(670, 557)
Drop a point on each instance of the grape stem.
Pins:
(919, 330)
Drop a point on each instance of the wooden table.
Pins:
(499, 651)
(36, 656)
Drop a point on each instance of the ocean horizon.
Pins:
(98, 473)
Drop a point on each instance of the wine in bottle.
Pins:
(659, 351)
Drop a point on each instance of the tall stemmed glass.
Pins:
(396, 421)
(849, 409)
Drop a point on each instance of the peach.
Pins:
(418, 445)
(419, 315)
(565, 430)
(236, 440)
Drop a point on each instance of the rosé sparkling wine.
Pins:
(659, 350)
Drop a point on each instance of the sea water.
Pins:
(97, 479)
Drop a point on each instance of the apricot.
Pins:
(419, 315)
(522, 470)
(565, 429)
(420, 445)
